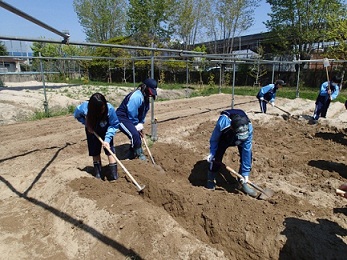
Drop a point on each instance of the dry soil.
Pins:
(51, 207)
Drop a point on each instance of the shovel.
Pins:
(288, 114)
(265, 193)
(139, 188)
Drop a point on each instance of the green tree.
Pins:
(338, 33)
(148, 20)
(52, 51)
(112, 58)
(101, 19)
(3, 50)
(300, 27)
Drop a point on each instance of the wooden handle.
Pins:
(340, 192)
(121, 164)
(149, 152)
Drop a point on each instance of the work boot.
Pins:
(97, 170)
(248, 190)
(139, 154)
(113, 171)
(211, 182)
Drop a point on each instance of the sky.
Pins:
(60, 15)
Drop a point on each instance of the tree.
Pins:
(229, 18)
(149, 20)
(258, 70)
(300, 27)
(52, 50)
(189, 20)
(338, 33)
(3, 50)
(101, 19)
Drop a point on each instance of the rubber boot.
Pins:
(248, 190)
(97, 170)
(113, 171)
(139, 154)
(211, 180)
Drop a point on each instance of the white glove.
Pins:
(262, 99)
(244, 179)
(210, 158)
(139, 127)
(272, 104)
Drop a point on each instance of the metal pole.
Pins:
(273, 73)
(298, 79)
(233, 96)
(154, 136)
(220, 79)
(45, 103)
(134, 74)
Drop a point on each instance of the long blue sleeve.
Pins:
(222, 123)
(335, 93)
(113, 123)
(81, 111)
(324, 90)
(133, 105)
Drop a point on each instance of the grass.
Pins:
(52, 113)
(284, 92)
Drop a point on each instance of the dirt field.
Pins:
(51, 207)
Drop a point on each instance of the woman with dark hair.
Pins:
(132, 113)
(100, 117)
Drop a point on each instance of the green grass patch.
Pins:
(52, 113)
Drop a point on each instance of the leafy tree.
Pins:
(257, 70)
(338, 33)
(228, 18)
(116, 58)
(3, 50)
(101, 19)
(189, 19)
(298, 26)
(148, 20)
(52, 50)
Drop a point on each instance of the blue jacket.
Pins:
(334, 90)
(81, 111)
(268, 92)
(223, 123)
(134, 106)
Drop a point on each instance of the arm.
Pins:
(113, 123)
(80, 112)
(335, 93)
(222, 123)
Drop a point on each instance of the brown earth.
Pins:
(51, 207)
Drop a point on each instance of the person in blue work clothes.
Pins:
(100, 117)
(233, 128)
(329, 90)
(267, 94)
(132, 113)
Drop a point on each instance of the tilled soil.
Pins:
(53, 208)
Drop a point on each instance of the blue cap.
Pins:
(151, 83)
